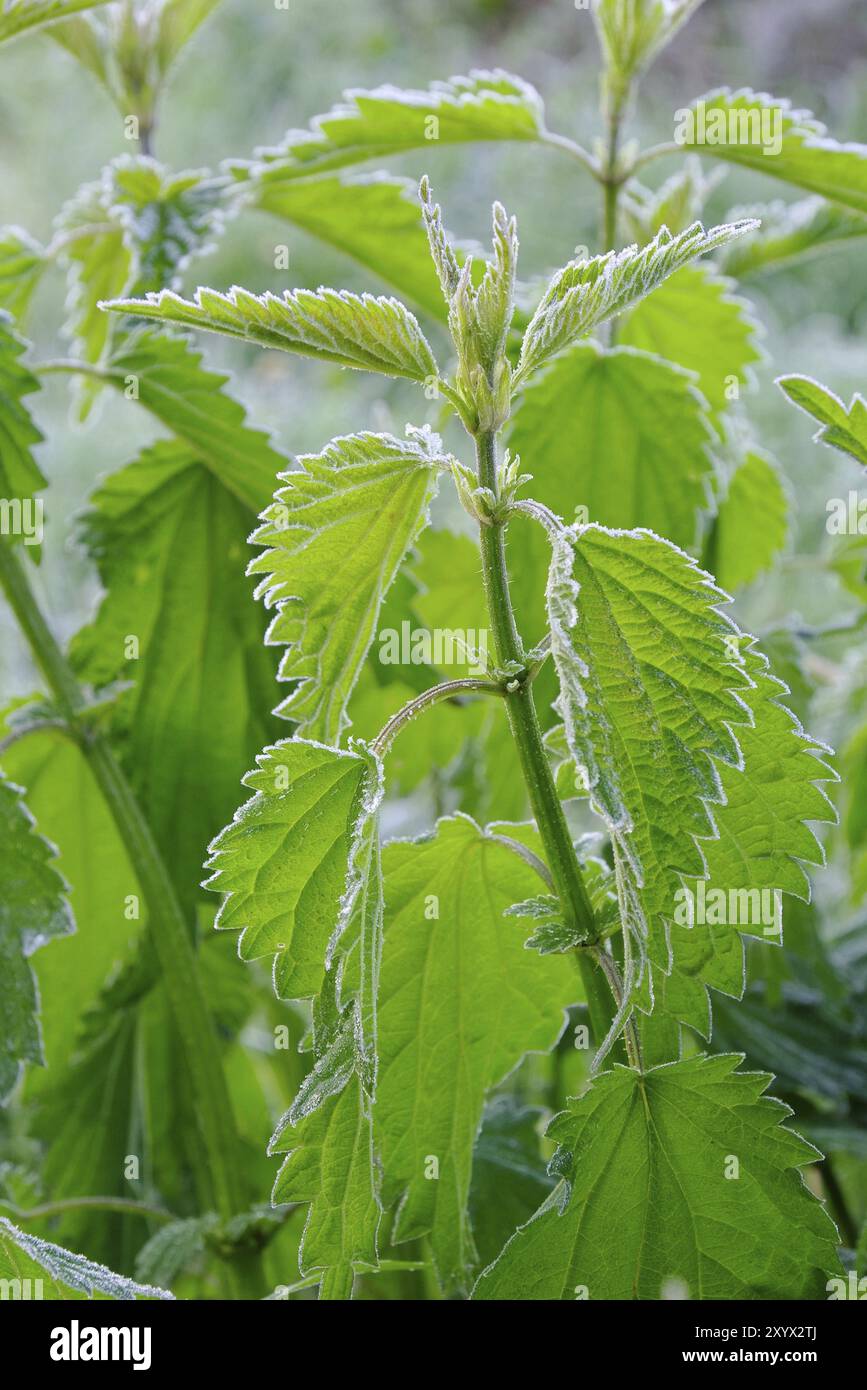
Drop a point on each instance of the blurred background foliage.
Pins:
(253, 71)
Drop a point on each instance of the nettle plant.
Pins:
(626, 794)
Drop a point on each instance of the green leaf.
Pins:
(509, 1177)
(461, 1002)
(763, 841)
(284, 861)
(330, 1165)
(752, 525)
(177, 22)
(337, 534)
(131, 232)
(19, 475)
(389, 120)
(164, 373)
(769, 136)
(59, 1274)
(650, 690)
(33, 909)
(642, 416)
(169, 542)
(633, 32)
(695, 320)
(363, 331)
(586, 293)
(372, 218)
(791, 232)
(842, 429)
(22, 261)
(20, 16)
(691, 1227)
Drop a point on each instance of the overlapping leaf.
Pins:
(337, 534)
(372, 218)
(752, 524)
(60, 1274)
(770, 137)
(621, 433)
(695, 320)
(791, 232)
(461, 1002)
(284, 861)
(387, 120)
(718, 1208)
(586, 293)
(633, 32)
(33, 909)
(374, 334)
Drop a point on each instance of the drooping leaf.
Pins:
(770, 137)
(283, 861)
(461, 1002)
(621, 433)
(33, 909)
(752, 524)
(60, 1274)
(330, 1165)
(20, 16)
(371, 333)
(842, 428)
(178, 623)
(695, 320)
(790, 233)
(337, 534)
(718, 1206)
(586, 293)
(389, 120)
(20, 476)
(651, 692)
(372, 218)
(22, 261)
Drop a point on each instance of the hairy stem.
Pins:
(447, 691)
(169, 930)
(524, 725)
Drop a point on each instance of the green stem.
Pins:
(447, 691)
(126, 1205)
(172, 940)
(524, 725)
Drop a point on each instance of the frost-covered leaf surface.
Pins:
(633, 32)
(791, 232)
(586, 293)
(770, 136)
(752, 525)
(20, 476)
(461, 1001)
(33, 909)
(20, 16)
(282, 862)
(621, 433)
(718, 1206)
(62, 1273)
(337, 534)
(842, 428)
(388, 119)
(370, 332)
(696, 320)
